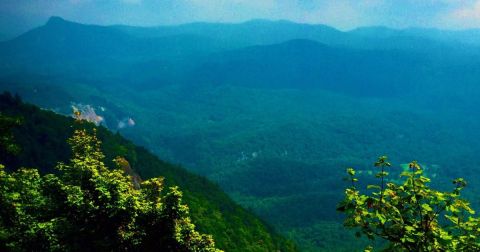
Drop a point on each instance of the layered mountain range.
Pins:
(272, 111)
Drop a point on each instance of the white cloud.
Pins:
(467, 15)
(468, 12)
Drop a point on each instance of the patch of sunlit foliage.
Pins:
(89, 207)
(410, 215)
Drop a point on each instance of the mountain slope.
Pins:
(43, 135)
(254, 32)
(61, 47)
(466, 37)
(266, 32)
(306, 64)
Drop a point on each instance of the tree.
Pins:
(7, 144)
(410, 215)
(89, 207)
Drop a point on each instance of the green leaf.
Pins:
(381, 217)
(351, 171)
(427, 207)
(409, 229)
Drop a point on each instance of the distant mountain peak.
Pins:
(59, 22)
(56, 20)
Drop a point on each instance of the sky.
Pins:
(17, 16)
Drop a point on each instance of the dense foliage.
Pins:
(409, 214)
(42, 136)
(91, 207)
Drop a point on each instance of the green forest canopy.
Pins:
(42, 141)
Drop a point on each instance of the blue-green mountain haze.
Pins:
(272, 111)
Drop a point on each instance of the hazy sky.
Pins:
(19, 15)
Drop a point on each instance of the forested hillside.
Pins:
(273, 115)
(42, 140)
(88, 206)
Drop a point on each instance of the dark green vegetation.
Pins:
(410, 215)
(42, 138)
(271, 111)
(89, 207)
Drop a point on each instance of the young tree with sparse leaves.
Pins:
(410, 215)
